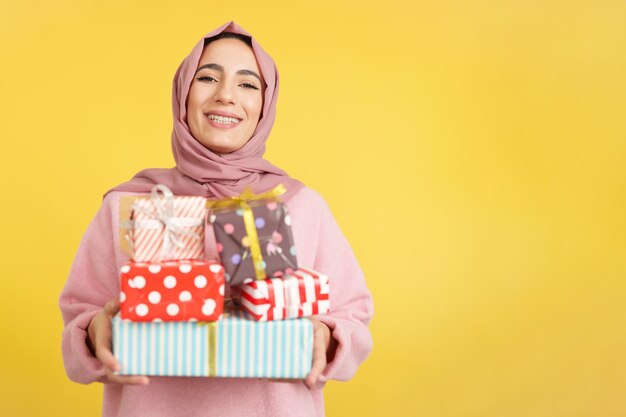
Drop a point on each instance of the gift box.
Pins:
(253, 234)
(299, 293)
(171, 291)
(162, 226)
(234, 346)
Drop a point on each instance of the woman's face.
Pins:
(226, 96)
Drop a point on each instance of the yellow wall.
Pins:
(472, 151)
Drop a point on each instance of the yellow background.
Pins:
(473, 152)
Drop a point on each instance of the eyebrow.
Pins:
(218, 67)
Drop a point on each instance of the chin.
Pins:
(221, 149)
(220, 144)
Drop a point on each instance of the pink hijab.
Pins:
(198, 170)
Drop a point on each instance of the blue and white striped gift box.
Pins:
(242, 347)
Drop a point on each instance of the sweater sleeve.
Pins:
(350, 300)
(91, 283)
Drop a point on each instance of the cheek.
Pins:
(192, 100)
(193, 112)
(198, 95)
(255, 106)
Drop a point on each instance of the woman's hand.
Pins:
(99, 333)
(323, 344)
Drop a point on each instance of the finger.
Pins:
(103, 348)
(127, 379)
(107, 358)
(319, 359)
(316, 370)
(112, 307)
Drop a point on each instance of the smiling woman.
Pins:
(224, 106)
(226, 97)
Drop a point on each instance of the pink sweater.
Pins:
(93, 280)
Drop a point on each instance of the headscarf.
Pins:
(199, 171)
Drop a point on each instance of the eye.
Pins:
(249, 85)
(206, 78)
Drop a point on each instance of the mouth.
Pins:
(223, 120)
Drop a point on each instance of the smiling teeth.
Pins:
(223, 120)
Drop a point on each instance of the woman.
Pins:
(224, 104)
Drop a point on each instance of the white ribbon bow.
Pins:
(163, 216)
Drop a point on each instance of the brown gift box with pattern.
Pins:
(273, 228)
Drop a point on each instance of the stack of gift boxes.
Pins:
(173, 320)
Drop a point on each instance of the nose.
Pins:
(225, 93)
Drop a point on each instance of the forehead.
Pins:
(232, 54)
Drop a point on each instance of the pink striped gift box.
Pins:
(163, 226)
(299, 293)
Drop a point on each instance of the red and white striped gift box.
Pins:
(165, 227)
(300, 293)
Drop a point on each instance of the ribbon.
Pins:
(163, 216)
(243, 202)
(211, 347)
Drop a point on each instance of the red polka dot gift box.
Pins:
(172, 291)
(253, 235)
(299, 293)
